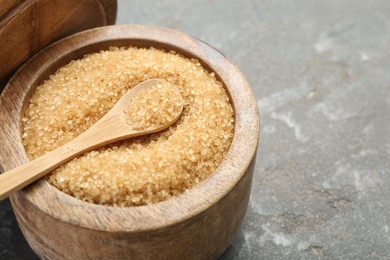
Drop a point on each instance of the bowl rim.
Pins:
(140, 218)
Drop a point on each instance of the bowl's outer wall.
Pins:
(204, 236)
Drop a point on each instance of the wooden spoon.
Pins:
(112, 127)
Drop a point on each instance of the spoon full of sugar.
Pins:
(149, 107)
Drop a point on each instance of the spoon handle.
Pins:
(98, 135)
(29, 172)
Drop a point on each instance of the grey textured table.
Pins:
(321, 73)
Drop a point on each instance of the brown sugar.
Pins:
(141, 170)
(154, 107)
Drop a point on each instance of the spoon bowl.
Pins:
(110, 128)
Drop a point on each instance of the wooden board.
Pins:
(28, 26)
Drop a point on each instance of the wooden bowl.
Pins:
(26, 26)
(198, 224)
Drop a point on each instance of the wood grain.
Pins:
(28, 26)
(198, 224)
(7, 5)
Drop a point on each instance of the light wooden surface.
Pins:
(27, 26)
(198, 224)
(113, 127)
